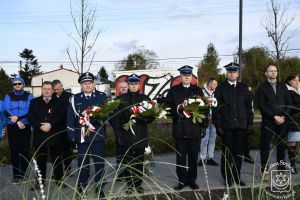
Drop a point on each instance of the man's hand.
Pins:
(46, 127)
(279, 119)
(20, 125)
(13, 119)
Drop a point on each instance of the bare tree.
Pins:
(276, 23)
(83, 15)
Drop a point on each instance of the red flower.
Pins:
(153, 103)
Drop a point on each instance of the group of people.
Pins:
(54, 120)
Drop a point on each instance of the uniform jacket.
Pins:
(140, 139)
(271, 104)
(17, 104)
(52, 113)
(80, 104)
(184, 128)
(294, 118)
(234, 109)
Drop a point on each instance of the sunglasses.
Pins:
(15, 84)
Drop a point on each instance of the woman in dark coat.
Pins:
(294, 122)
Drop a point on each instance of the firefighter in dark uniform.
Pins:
(136, 142)
(92, 144)
(186, 133)
(233, 120)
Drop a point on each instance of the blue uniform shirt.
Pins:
(78, 104)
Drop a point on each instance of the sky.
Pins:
(178, 31)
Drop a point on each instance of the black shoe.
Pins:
(240, 183)
(211, 162)
(294, 169)
(248, 159)
(200, 163)
(101, 195)
(194, 185)
(180, 186)
(140, 189)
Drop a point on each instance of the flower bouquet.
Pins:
(196, 107)
(150, 110)
(96, 114)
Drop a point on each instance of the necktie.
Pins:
(88, 97)
(46, 100)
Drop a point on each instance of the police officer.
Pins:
(136, 142)
(186, 133)
(233, 120)
(92, 144)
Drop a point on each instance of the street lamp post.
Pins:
(241, 38)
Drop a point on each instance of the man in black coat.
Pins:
(186, 133)
(233, 120)
(46, 117)
(273, 99)
(64, 97)
(134, 142)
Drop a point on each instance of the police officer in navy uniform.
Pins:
(233, 119)
(136, 142)
(186, 133)
(92, 144)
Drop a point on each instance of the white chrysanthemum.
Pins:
(214, 102)
(163, 114)
(148, 150)
(200, 101)
(95, 108)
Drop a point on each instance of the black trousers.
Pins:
(41, 155)
(232, 154)
(19, 144)
(246, 149)
(67, 152)
(268, 130)
(133, 163)
(186, 159)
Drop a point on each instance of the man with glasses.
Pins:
(16, 106)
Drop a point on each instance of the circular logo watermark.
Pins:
(280, 181)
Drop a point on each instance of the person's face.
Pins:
(232, 76)
(271, 72)
(186, 79)
(212, 85)
(134, 87)
(58, 89)
(88, 86)
(47, 90)
(295, 82)
(123, 88)
(18, 85)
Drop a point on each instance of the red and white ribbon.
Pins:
(85, 122)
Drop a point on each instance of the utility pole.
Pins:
(241, 39)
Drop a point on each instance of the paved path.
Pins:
(162, 181)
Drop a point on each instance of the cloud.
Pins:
(126, 45)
